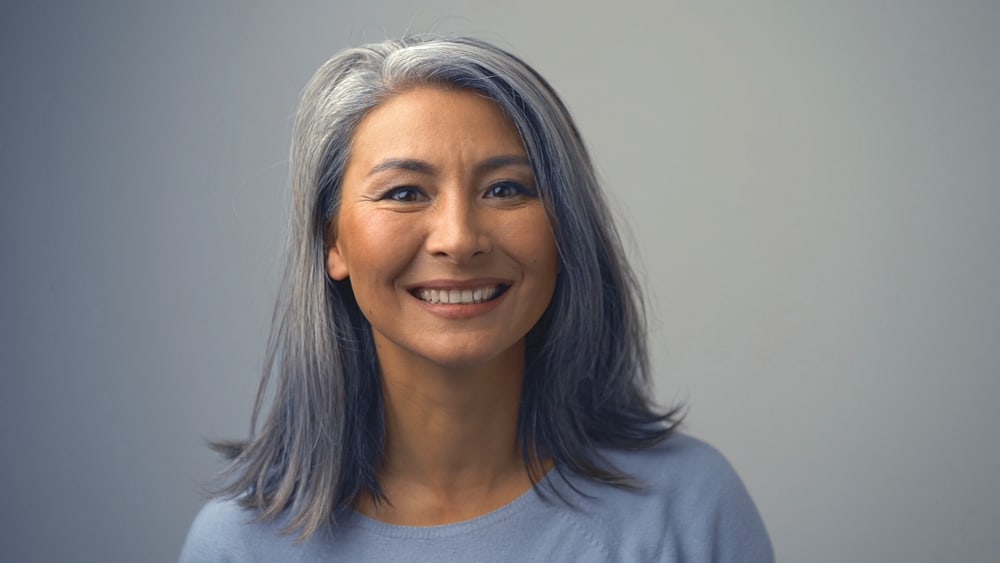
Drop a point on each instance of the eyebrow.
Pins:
(410, 164)
(422, 167)
(502, 161)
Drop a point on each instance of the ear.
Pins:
(336, 264)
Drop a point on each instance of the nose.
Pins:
(457, 230)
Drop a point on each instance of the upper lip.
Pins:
(458, 284)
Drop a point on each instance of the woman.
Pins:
(459, 347)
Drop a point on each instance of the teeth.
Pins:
(458, 296)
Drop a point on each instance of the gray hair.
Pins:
(587, 372)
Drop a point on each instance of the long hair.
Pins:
(586, 382)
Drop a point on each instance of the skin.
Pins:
(438, 194)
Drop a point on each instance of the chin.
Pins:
(473, 358)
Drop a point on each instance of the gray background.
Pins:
(811, 191)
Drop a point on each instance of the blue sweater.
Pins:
(693, 507)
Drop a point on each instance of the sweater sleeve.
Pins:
(215, 534)
(738, 528)
(725, 525)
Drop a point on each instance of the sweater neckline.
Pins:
(526, 500)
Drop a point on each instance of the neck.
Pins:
(451, 450)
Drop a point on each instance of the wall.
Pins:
(811, 190)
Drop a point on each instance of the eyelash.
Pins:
(394, 194)
(400, 193)
(519, 189)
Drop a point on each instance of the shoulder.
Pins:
(225, 531)
(680, 465)
(689, 502)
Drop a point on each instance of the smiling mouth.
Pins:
(466, 296)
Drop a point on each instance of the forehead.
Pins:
(435, 123)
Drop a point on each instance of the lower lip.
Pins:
(462, 310)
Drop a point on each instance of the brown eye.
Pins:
(403, 194)
(503, 190)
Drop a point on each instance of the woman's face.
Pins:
(440, 229)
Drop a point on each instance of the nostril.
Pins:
(459, 236)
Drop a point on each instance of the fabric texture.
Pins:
(692, 507)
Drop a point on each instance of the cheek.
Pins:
(536, 246)
(377, 248)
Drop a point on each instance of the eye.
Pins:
(403, 194)
(506, 189)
